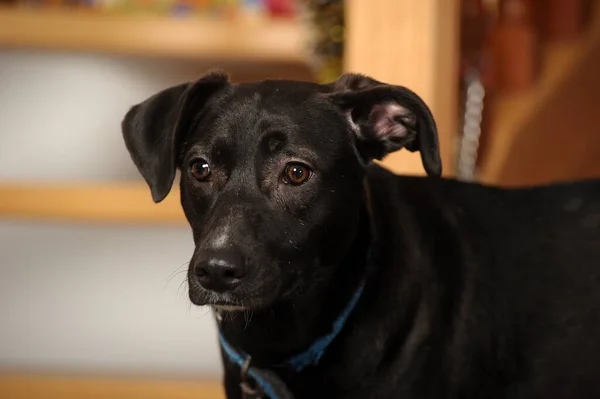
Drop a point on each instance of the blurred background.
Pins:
(92, 295)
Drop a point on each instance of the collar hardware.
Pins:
(248, 390)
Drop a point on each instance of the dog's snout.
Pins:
(220, 271)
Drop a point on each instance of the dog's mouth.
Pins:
(227, 301)
(202, 297)
(229, 308)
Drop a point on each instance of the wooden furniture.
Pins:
(248, 49)
(89, 203)
(190, 38)
(73, 387)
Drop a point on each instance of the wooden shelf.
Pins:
(519, 116)
(192, 38)
(41, 387)
(98, 203)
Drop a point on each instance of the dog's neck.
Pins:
(288, 328)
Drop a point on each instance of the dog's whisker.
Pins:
(177, 271)
(185, 285)
(249, 313)
(202, 316)
(207, 310)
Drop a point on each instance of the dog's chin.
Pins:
(228, 308)
(229, 301)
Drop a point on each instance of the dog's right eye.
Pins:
(200, 169)
(296, 173)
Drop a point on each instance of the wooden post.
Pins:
(413, 43)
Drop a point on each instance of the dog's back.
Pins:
(522, 267)
(548, 260)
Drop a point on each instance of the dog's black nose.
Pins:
(220, 271)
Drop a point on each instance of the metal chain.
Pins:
(471, 132)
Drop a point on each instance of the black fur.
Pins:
(473, 291)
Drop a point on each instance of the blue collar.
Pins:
(297, 363)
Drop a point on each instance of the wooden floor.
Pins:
(37, 387)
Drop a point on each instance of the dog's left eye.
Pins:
(200, 169)
(296, 173)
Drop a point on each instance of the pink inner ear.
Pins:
(383, 119)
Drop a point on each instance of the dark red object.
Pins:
(515, 44)
(561, 19)
(281, 8)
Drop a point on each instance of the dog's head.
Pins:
(271, 174)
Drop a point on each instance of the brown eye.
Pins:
(200, 169)
(296, 173)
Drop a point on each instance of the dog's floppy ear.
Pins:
(385, 118)
(154, 129)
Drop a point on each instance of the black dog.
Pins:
(342, 280)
